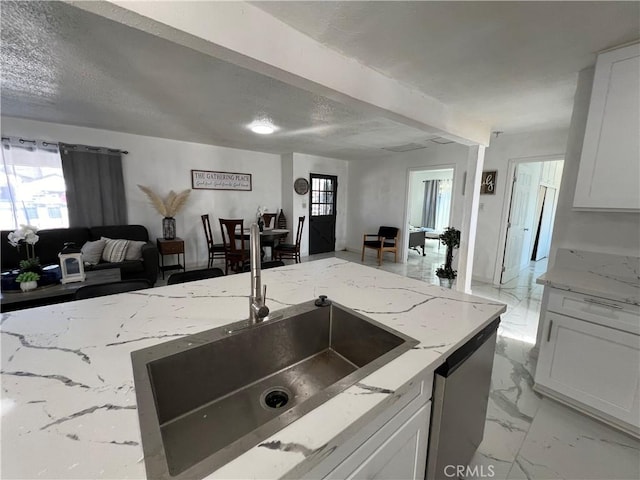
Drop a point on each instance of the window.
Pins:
(32, 187)
(54, 212)
(31, 213)
(322, 190)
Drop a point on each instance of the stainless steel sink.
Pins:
(205, 399)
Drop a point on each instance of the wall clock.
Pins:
(301, 186)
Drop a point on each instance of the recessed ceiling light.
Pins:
(262, 129)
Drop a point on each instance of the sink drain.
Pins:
(275, 398)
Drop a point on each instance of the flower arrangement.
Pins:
(28, 277)
(451, 239)
(26, 235)
(260, 220)
(167, 207)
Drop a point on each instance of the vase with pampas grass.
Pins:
(168, 208)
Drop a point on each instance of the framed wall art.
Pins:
(488, 184)
(210, 180)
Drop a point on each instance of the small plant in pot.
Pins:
(446, 274)
(28, 280)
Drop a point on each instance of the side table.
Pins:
(171, 247)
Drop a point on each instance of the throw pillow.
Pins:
(114, 250)
(134, 251)
(92, 251)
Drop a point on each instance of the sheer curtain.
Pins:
(443, 205)
(32, 188)
(95, 185)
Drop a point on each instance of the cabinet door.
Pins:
(609, 174)
(594, 365)
(401, 456)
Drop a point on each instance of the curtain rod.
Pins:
(67, 145)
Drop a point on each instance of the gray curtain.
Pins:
(431, 188)
(95, 186)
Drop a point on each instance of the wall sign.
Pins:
(488, 185)
(209, 180)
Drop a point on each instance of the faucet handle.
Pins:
(264, 294)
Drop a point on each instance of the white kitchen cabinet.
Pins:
(398, 451)
(591, 367)
(609, 172)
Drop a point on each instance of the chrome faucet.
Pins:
(257, 308)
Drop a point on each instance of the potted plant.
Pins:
(168, 208)
(26, 235)
(446, 274)
(28, 280)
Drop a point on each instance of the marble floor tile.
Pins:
(565, 444)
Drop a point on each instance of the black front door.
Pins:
(322, 213)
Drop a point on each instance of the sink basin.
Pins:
(207, 398)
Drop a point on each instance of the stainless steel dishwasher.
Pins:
(460, 397)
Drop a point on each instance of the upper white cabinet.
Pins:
(609, 174)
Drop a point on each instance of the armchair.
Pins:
(386, 240)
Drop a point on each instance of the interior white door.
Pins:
(517, 250)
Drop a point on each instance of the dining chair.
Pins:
(269, 220)
(386, 240)
(216, 250)
(110, 288)
(235, 251)
(193, 275)
(289, 250)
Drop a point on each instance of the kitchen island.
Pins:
(68, 398)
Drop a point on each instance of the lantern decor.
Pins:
(71, 264)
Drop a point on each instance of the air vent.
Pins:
(405, 148)
(442, 141)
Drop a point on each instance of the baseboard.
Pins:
(587, 410)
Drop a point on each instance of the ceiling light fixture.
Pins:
(262, 129)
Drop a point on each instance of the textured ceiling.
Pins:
(64, 65)
(511, 64)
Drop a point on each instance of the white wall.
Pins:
(303, 166)
(378, 189)
(417, 192)
(493, 208)
(164, 165)
(603, 232)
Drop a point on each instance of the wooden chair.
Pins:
(110, 288)
(290, 251)
(386, 240)
(193, 275)
(269, 220)
(235, 251)
(216, 250)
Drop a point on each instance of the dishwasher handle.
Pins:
(458, 357)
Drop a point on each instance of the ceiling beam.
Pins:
(246, 36)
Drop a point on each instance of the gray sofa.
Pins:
(52, 241)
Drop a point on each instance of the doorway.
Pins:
(531, 213)
(322, 213)
(428, 209)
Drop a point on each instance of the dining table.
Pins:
(268, 238)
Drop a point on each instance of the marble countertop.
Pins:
(622, 289)
(68, 402)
